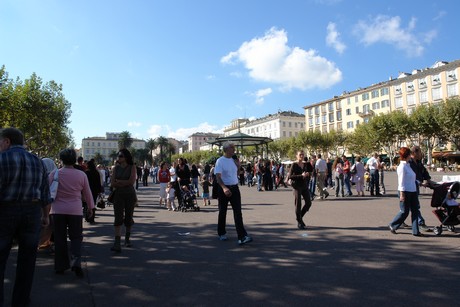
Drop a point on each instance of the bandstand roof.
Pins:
(241, 140)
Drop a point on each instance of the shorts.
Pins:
(205, 195)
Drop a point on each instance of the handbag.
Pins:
(111, 196)
(100, 202)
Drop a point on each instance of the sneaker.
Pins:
(424, 227)
(246, 239)
(393, 231)
(404, 225)
(223, 238)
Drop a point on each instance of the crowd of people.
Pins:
(44, 204)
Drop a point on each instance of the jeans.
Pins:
(409, 204)
(374, 182)
(346, 179)
(23, 222)
(195, 185)
(339, 186)
(235, 201)
(259, 182)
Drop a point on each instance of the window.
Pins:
(324, 118)
(331, 117)
(284, 123)
(375, 93)
(356, 99)
(435, 80)
(331, 127)
(301, 125)
(365, 96)
(385, 103)
(366, 120)
(398, 102)
(348, 101)
(348, 111)
(398, 90)
(284, 133)
(410, 111)
(422, 83)
(410, 100)
(349, 125)
(290, 133)
(317, 120)
(436, 93)
(316, 110)
(357, 122)
(338, 104)
(324, 129)
(310, 112)
(410, 86)
(339, 115)
(451, 75)
(339, 127)
(423, 96)
(323, 108)
(375, 105)
(295, 125)
(331, 107)
(366, 108)
(357, 110)
(310, 121)
(384, 91)
(290, 125)
(452, 90)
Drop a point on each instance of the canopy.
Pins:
(241, 140)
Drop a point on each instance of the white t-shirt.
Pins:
(228, 170)
(372, 163)
(321, 165)
(172, 172)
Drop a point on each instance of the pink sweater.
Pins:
(73, 186)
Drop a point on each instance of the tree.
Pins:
(151, 145)
(125, 140)
(450, 121)
(162, 142)
(98, 158)
(39, 110)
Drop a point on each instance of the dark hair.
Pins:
(15, 135)
(91, 165)
(404, 152)
(128, 157)
(68, 156)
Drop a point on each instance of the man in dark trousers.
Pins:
(24, 199)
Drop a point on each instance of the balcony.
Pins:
(368, 113)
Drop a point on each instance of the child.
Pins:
(171, 192)
(367, 179)
(205, 195)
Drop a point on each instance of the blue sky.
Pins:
(175, 67)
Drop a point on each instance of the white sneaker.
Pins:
(246, 239)
(223, 238)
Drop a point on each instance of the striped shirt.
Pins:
(23, 177)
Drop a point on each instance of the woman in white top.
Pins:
(407, 194)
(359, 177)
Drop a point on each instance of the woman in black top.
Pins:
(299, 174)
(94, 179)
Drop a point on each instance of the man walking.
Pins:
(226, 172)
(24, 198)
(321, 175)
(374, 165)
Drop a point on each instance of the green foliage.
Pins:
(449, 118)
(39, 110)
(125, 140)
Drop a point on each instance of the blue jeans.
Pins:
(259, 182)
(410, 204)
(346, 180)
(20, 221)
(374, 182)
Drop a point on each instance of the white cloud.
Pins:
(270, 59)
(134, 124)
(440, 15)
(333, 38)
(386, 29)
(181, 134)
(260, 95)
(210, 77)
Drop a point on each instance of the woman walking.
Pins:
(338, 170)
(408, 198)
(67, 213)
(299, 175)
(124, 197)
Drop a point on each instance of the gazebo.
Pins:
(241, 140)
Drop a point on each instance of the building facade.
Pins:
(406, 92)
(284, 124)
(105, 145)
(197, 140)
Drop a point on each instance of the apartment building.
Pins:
(283, 124)
(406, 92)
(197, 140)
(105, 145)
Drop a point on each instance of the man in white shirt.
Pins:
(373, 165)
(226, 171)
(321, 175)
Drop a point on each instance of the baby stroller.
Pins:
(188, 199)
(447, 209)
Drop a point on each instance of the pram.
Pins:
(188, 199)
(447, 209)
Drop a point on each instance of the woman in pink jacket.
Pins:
(67, 214)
